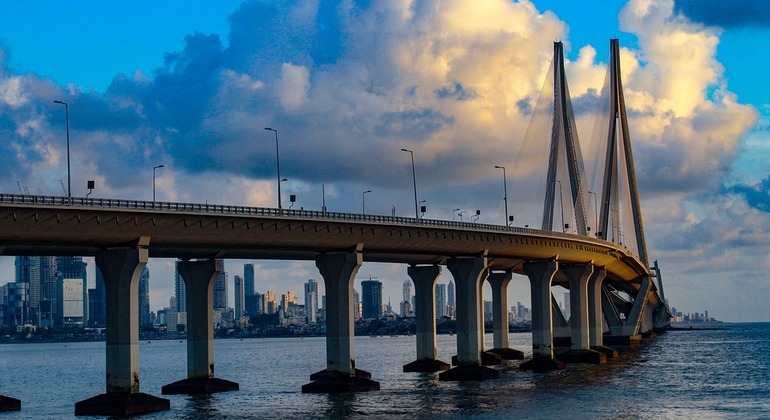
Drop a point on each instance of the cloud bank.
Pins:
(348, 84)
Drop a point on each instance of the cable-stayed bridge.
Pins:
(595, 248)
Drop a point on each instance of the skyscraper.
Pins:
(220, 291)
(311, 300)
(144, 298)
(181, 295)
(450, 291)
(97, 302)
(440, 300)
(240, 300)
(73, 308)
(68, 268)
(371, 302)
(406, 305)
(248, 279)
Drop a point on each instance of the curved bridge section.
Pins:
(40, 225)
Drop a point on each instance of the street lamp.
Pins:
(363, 201)
(414, 182)
(153, 180)
(561, 203)
(460, 213)
(67, 117)
(277, 164)
(453, 214)
(505, 196)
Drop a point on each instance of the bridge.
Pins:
(613, 297)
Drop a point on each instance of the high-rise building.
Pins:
(220, 290)
(144, 298)
(440, 300)
(28, 272)
(73, 308)
(248, 279)
(269, 304)
(14, 304)
(68, 268)
(356, 305)
(450, 301)
(371, 302)
(179, 289)
(97, 302)
(311, 301)
(406, 305)
(240, 299)
(566, 307)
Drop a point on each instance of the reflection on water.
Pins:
(688, 374)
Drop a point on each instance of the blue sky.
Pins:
(191, 85)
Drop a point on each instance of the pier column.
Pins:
(628, 332)
(541, 275)
(424, 279)
(121, 270)
(469, 274)
(199, 278)
(580, 352)
(499, 282)
(596, 314)
(339, 272)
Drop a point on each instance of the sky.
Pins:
(347, 84)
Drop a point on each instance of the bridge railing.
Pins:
(270, 212)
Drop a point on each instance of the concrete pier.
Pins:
(541, 275)
(339, 271)
(596, 314)
(121, 270)
(499, 282)
(469, 274)
(9, 404)
(199, 278)
(580, 349)
(424, 279)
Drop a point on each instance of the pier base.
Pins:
(199, 386)
(542, 364)
(487, 359)
(323, 383)
(426, 365)
(121, 404)
(9, 404)
(583, 356)
(469, 373)
(623, 340)
(506, 353)
(609, 352)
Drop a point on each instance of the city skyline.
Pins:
(189, 93)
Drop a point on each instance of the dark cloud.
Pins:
(413, 123)
(457, 92)
(726, 14)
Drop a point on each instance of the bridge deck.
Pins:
(40, 225)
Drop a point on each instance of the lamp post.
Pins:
(561, 203)
(67, 117)
(453, 214)
(153, 180)
(363, 201)
(505, 195)
(277, 164)
(414, 182)
(460, 213)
